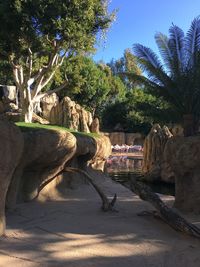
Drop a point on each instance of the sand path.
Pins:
(72, 231)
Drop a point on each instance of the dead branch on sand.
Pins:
(167, 214)
(106, 205)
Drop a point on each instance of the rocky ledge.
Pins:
(32, 162)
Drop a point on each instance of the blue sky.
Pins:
(138, 20)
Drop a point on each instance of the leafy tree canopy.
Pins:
(36, 23)
(90, 84)
(127, 63)
(38, 35)
(138, 112)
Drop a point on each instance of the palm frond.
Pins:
(177, 45)
(193, 37)
(192, 44)
(162, 42)
(147, 54)
(136, 78)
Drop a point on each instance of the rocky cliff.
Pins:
(32, 162)
(155, 167)
(66, 113)
(183, 156)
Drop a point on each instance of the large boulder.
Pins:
(183, 155)
(10, 153)
(8, 93)
(95, 126)
(69, 114)
(47, 103)
(155, 167)
(91, 154)
(44, 156)
(8, 98)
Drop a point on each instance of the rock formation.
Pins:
(45, 154)
(32, 163)
(95, 126)
(10, 154)
(48, 102)
(155, 167)
(183, 155)
(121, 138)
(66, 113)
(8, 98)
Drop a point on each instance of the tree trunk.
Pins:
(167, 214)
(189, 125)
(27, 111)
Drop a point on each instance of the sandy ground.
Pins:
(72, 231)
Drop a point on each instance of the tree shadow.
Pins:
(73, 231)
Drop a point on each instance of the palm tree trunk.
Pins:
(189, 124)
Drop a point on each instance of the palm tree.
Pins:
(175, 78)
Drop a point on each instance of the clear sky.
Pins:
(138, 20)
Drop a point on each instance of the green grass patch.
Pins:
(25, 127)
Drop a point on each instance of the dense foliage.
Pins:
(90, 84)
(138, 112)
(39, 35)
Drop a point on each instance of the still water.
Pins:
(122, 168)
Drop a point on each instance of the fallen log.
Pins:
(167, 214)
(106, 204)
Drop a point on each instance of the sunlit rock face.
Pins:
(32, 163)
(44, 156)
(183, 155)
(66, 113)
(10, 154)
(155, 167)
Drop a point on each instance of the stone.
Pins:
(177, 130)
(183, 155)
(95, 126)
(10, 153)
(70, 115)
(155, 168)
(90, 156)
(47, 103)
(44, 156)
(8, 93)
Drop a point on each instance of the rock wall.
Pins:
(66, 113)
(7, 98)
(121, 138)
(155, 167)
(10, 153)
(32, 163)
(183, 155)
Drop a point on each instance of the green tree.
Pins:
(177, 79)
(47, 32)
(127, 63)
(90, 84)
(138, 112)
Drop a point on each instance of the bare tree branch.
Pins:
(167, 214)
(59, 88)
(106, 205)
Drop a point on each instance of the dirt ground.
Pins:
(70, 230)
